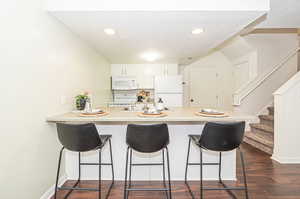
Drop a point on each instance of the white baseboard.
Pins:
(288, 160)
(50, 192)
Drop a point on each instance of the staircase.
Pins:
(261, 135)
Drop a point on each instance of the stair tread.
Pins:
(267, 117)
(258, 145)
(261, 138)
(271, 110)
(262, 127)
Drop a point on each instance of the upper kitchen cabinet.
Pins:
(118, 69)
(170, 69)
(144, 73)
(126, 69)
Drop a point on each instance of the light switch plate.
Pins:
(63, 100)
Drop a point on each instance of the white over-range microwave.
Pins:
(123, 83)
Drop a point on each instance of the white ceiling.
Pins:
(157, 5)
(283, 14)
(168, 33)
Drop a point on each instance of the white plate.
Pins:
(92, 112)
(210, 111)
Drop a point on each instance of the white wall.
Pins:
(244, 60)
(262, 96)
(40, 62)
(226, 83)
(271, 49)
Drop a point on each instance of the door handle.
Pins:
(192, 100)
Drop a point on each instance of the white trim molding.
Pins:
(286, 122)
(286, 160)
(50, 192)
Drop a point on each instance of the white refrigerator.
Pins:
(170, 89)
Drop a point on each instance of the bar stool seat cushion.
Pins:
(220, 136)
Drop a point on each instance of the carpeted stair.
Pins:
(261, 135)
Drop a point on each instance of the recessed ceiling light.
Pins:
(150, 56)
(197, 31)
(109, 31)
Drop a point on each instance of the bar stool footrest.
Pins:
(203, 163)
(227, 188)
(147, 189)
(96, 164)
(147, 164)
(78, 189)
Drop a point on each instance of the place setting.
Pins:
(207, 112)
(152, 113)
(94, 113)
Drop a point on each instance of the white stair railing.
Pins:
(286, 122)
(247, 89)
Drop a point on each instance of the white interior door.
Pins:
(203, 87)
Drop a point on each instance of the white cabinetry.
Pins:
(170, 69)
(144, 73)
(118, 69)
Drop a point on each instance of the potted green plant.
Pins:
(81, 101)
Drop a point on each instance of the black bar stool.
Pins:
(82, 138)
(219, 137)
(147, 139)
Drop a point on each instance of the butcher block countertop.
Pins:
(174, 115)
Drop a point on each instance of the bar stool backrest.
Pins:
(218, 136)
(78, 137)
(147, 138)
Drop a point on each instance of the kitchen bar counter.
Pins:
(174, 115)
(181, 122)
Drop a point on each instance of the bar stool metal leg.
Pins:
(164, 173)
(220, 167)
(244, 173)
(112, 169)
(220, 178)
(213, 139)
(99, 180)
(186, 169)
(126, 170)
(130, 170)
(58, 169)
(130, 167)
(112, 162)
(71, 189)
(201, 174)
(169, 176)
(187, 161)
(89, 133)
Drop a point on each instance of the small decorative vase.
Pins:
(80, 104)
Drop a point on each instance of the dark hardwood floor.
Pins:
(266, 180)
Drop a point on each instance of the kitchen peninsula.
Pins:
(181, 122)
